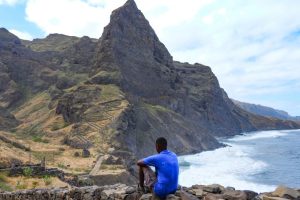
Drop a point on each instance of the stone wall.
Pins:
(118, 191)
(36, 171)
(124, 192)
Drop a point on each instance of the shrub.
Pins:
(76, 154)
(38, 138)
(47, 180)
(61, 165)
(27, 171)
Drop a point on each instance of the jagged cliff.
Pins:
(114, 96)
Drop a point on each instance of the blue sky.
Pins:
(251, 45)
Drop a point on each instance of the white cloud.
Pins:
(9, 2)
(21, 35)
(71, 17)
(249, 44)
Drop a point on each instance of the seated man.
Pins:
(165, 181)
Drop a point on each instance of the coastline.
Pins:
(257, 161)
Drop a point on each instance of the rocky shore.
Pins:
(124, 192)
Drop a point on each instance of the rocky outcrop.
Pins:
(7, 120)
(124, 192)
(24, 71)
(130, 46)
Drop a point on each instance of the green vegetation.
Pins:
(38, 138)
(157, 108)
(56, 126)
(48, 155)
(3, 177)
(5, 187)
(3, 182)
(21, 185)
(110, 92)
(47, 180)
(111, 167)
(27, 172)
(61, 165)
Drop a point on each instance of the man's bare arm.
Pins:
(141, 163)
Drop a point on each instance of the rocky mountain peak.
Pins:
(8, 38)
(130, 46)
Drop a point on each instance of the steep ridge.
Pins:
(130, 46)
(265, 111)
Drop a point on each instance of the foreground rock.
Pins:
(124, 192)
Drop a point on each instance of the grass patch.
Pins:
(3, 177)
(156, 108)
(110, 92)
(111, 167)
(5, 187)
(21, 185)
(47, 180)
(39, 138)
(56, 126)
(27, 172)
(48, 155)
(61, 165)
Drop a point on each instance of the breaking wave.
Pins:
(235, 165)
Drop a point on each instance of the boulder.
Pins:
(146, 197)
(250, 194)
(264, 197)
(198, 193)
(172, 197)
(235, 195)
(187, 196)
(130, 190)
(214, 188)
(86, 153)
(285, 192)
(213, 197)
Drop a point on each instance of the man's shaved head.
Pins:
(161, 144)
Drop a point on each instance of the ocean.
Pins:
(258, 161)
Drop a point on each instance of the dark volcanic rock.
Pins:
(73, 105)
(23, 71)
(7, 120)
(130, 46)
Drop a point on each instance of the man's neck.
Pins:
(163, 150)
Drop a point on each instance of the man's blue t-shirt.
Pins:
(166, 165)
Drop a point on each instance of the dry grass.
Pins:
(20, 183)
(43, 131)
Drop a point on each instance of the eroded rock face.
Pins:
(7, 120)
(73, 105)
(22, 71)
